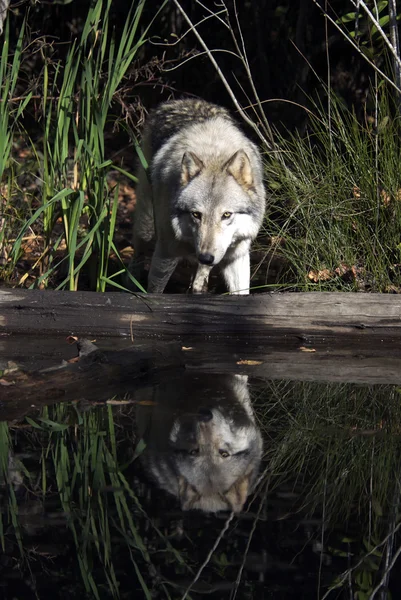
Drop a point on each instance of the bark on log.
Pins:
(257, 318)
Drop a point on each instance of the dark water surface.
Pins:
(207, 485)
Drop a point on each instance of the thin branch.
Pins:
(245, 62)
(200, 54)
(241, 569)
(222, 77)
(383, 579)
(212, 14)
(178, 40)
(343, 33)
(378, 26)
(392, 10)
(360, 562)
(210, 554)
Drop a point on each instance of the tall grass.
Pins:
(78, 96)
(10, 113)
(335, 210)
(81, 465)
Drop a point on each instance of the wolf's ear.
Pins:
(191, 165)
(188, 494)
(239, 166)
(238, 493)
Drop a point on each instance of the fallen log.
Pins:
(257, 319)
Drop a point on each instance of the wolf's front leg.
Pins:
(201, 280)
(237, 274)
(161, 269)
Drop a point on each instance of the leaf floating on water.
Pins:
(305, 349)
(251, 363)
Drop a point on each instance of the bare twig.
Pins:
(186, 60)
(354, 45)
(244, 116)
(392, 9)
(210, 554)
(179, 39)
(345, 575)
(375, 21)
(238, 580)
(383, 579)
(245, 62)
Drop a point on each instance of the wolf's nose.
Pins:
(206, 259)
(205, 415)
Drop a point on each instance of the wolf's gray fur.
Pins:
(202, 196)
(203, 444)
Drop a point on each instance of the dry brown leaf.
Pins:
(341, 269)
(386, 198)
(277, 240)
(344, 270)
(356, 192)
(251, 363)
(6, 383)
(322, 275)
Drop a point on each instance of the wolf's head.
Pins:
(216, 204)
(216, 456)
(203, 444)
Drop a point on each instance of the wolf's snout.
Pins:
(206, 259)
(205, 415)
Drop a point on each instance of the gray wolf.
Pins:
(201, 198)
(202, 442)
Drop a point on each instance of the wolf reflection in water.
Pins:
(202, 442)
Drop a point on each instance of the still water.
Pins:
(205, 485)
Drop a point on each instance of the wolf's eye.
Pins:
(226, 215)
(224, 453)
(197, 215)
(194, 452)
